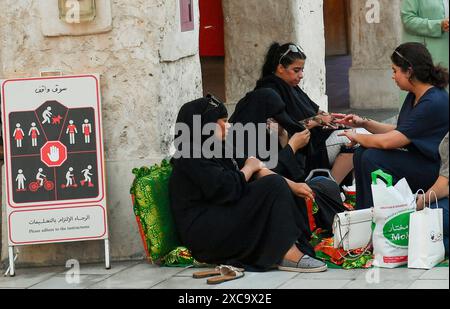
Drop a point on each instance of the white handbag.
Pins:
(353, 229)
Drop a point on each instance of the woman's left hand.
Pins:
(302, 190)
(351, 135)
(327, 120)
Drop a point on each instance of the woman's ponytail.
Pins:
(439, 77)
(271, 63)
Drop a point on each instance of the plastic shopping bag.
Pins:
(392, 208)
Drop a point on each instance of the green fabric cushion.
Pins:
(150, 194)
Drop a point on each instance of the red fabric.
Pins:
(311, 220)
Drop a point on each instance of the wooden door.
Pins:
(336, 20)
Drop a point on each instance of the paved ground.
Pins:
(141, 275)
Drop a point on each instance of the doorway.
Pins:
(338, 53)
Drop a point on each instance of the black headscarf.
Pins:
(258, 106)
(297, 110)
(209, 109)
(261, 104)
(300, 107)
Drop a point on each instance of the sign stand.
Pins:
(54, 161)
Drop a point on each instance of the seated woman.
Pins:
(282, 72)
(440, 188)
(264, 106)
(225, 218)
(411, 148)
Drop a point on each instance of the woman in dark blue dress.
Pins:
(411, 148)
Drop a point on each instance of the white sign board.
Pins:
(54, 160)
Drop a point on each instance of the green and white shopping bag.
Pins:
(393, 205)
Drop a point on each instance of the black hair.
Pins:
(275, 54)
(415, 56)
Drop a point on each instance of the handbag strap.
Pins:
(349, 256)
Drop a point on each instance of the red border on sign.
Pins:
(100, 129)
(57, 240)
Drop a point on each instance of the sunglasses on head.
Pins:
(213, 103)
(292, 48)
(403, 58)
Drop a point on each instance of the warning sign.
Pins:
(54, 159)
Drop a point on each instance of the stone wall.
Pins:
(373, 42)
(250, 28)
(147, 72)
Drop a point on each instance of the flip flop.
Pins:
(213, 272)
(227, 273)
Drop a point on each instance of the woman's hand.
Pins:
(302, 190)
(351, 135)
(327, 121)
(351, 120)
(275, 128)
(254, 164)
(444, 25)
(299, 140)
(420, 202)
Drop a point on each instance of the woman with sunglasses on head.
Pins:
(244, 216)
(282, 72)
(409, 149)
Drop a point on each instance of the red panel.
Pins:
(211, 28)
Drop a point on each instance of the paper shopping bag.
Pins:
(426, 238)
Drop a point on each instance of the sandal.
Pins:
(227, 273)
(213, 272)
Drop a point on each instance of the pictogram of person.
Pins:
(34, 132)
(87, 130)
(40, 177)
(87, 179)
(69, 177)
(46, 115)
(20, 180)
(18, 135)
(71, 130)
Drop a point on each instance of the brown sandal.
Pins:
(213, 272)
(227, 273)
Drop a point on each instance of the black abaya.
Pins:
(223, 219)
(300, 107)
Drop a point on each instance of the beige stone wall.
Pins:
(250, 28)
(142, 90)
(371, 85)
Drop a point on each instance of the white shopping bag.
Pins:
(426, 238)
(392, 208)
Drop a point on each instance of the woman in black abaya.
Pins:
(222, 217)
(282, 72)
(264, 106)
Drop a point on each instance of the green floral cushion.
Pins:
(150, 195)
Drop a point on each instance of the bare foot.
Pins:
(294, 254)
